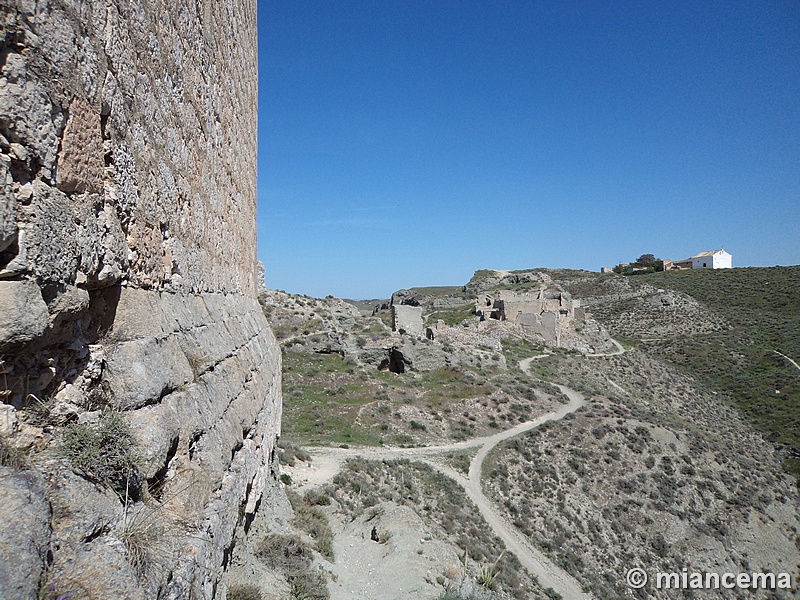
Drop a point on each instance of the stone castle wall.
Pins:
(128, 281)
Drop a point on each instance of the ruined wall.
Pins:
(127, 281)
(407, 319)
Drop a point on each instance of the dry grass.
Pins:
(293, 558)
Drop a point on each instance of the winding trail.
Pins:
(620, 350)
(328, 461)
(787, 358)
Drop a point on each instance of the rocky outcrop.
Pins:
(128, 283)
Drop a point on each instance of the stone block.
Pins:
(51, 236)
(23, 313)
(138, 315)
(24, 534)
(550, 327)
(100, 570)
(8, 420)
(81, 166)
(27, 114)
(102, 247)
(8, 209)
(73, 522)
(156, 429)
(142, 371)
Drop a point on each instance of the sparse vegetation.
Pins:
(104, 452)
(452, 316)
(763, 307)
(310, 519)
(595, 489)
(655, 446)
(291, 557)
(244, 592)
(11, 456)
(363, 484)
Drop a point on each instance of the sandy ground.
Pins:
(405, 566)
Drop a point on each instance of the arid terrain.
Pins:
(501, 465)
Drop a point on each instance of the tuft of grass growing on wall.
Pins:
(11, 456)
(104, 451)
(148, 533)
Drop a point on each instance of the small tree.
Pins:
(646, 259)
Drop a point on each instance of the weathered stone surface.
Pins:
(24, 545)
(69, 300)
(27, 113)
(8, 420)
(127, 180)
(101, 242)
(74, 522)
(146, 134)
(407, 319)
(23, 313)
(51, 237)
(95, 571)
(80, 160)
(8, 208)
(142, 371)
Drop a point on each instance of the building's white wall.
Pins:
(720, 260)
(723, 260)
(704, 262)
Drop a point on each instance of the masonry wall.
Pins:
(407, 319)
(128, 282)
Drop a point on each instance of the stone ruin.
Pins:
(128, 282)
(544, 312)
(407, 319)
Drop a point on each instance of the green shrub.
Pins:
(285, 552)
(104, 452)
(244, 592)
(11, 456)
(309, 586)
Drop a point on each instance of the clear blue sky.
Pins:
(406, 143)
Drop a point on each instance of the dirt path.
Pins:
(549, 574)
(328, 461)
(787, 358)
(617, 352)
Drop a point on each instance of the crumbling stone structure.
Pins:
(407, 319)
(543, 312)
(128, 282)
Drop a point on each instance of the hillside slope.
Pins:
(735, 329)
(665, 467)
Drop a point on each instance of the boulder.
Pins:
(23, 313)
(24, 534)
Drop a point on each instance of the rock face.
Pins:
(128, 283)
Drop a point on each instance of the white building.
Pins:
(713, 259)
